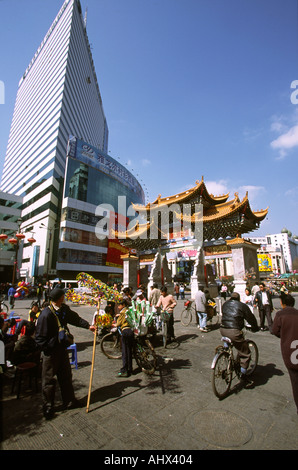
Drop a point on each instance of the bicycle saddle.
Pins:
(226, 339)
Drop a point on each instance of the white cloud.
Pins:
(292, 193)
(287, 127)
(253, 191)
(287, 140)
(221, 187)
(277, 126)
(217, 188)
(146, 162)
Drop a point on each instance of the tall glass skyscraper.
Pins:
(58, 96)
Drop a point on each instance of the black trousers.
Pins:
(127, 349)
(171, 326)
(293, 373)
(265, 312)
(57, 364)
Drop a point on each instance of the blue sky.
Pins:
(190, 88)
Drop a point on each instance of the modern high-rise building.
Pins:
(285, 243)
(58, 96)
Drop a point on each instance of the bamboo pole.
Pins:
(93, 359)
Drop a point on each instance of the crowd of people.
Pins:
(42, 337)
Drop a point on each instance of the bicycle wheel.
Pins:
(254, 357)
(145, 356)
(186, 317)
(4, 307)
(222, 375)
(111, 346)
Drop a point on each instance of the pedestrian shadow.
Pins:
(157, 341)
(214, 326)
(186, 338)
(111, 393)
(168, 381)
(165, 378)
(19, 416)
(264, 373)
(84, 345)
(261, 376)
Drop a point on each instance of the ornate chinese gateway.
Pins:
(194, 215)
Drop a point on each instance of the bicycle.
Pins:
(143, 351)
(224, 364)
(3, 306)
(189, 310)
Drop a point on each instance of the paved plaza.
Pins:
(175, 409)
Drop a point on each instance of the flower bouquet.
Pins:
(104, 321)
(139, 317)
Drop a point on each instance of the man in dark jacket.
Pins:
(55, 359)
(263, 301)
(234, 313)
(285, 327)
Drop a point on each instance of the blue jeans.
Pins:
(202, 319)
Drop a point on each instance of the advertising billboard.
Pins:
(265, 262)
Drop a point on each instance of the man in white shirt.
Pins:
(263, 301)
(200, 301)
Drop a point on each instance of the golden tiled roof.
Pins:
(184, 197)
(240, 241)
(221, 218)
(226, 210)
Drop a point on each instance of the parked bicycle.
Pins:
(189, 312)
(3, 306)
(143, 351)
(225, 366)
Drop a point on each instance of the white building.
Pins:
(58, 96)
(277, 243)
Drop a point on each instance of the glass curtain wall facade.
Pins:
(58, 95)
(93, 178)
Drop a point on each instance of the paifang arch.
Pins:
(217, 216)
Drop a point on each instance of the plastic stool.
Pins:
(14, 327)
(74, 355)
(31, 368)
(12, 315)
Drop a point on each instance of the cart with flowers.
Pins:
(139, 318)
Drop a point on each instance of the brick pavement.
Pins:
(174, 409)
